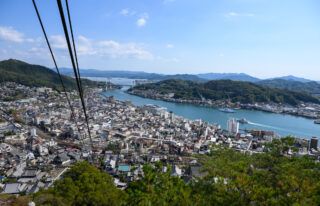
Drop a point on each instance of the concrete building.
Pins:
(232, 126)
(33, 132)
(314, 142)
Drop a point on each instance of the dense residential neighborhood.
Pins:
(40, 140)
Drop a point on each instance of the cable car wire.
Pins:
(65, 29)
(74, 46)
(57, 69)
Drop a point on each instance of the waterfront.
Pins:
(282, 124)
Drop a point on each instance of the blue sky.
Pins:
(264, 38)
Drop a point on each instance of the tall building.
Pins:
(33, 132)
(171, 116)
(314, 142)
(233, 126)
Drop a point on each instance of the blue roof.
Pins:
(124, 168)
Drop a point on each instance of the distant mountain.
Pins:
(35, 75)
(236, 91)
(310, 87)
(292, 78)
(112, 73)
(130, 74)
(183, 77)
(158, 77)
(231, 76)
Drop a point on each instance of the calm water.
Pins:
(282, 124)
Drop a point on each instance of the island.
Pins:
(235, 94)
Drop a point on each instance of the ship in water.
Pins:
(226, 110)
(317, 121)
(243, 121)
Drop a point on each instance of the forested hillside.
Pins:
(311, 87)
(235, 91)
(36, 75)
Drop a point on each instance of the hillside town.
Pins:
(40, 140)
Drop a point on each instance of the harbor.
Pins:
(282, 124)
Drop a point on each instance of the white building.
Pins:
(155, 109)
(33, 132)
(233, 126)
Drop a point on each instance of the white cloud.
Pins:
(9, 34)
(109, 43)
(142, 20)
(170, 46)
(124, 12)
(115, 49)
(127, 12)
(85, 46)
(58, 42)
(234, 14)
(34, 49)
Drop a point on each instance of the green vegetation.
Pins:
(17, 95)
(232, 178)
(259, 179)
(308, 87)
(158, 188)
(12, 200)
(20, 121)
(112, 146)
(8, 133)
(235, 91)
(36, 76)
(11, 111)
(83, 184)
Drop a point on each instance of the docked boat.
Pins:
(317, 121)
(243, 121)
(226, 110)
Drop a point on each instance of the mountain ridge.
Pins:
(197, 77)
(36, 75)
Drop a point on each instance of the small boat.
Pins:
(243, 121)
(226, 110)
(317, 121)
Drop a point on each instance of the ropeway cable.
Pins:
(65, 29)
(74, 45)
(57, 69)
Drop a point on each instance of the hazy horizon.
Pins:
(263, 39)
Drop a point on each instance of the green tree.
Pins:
(282, 146)
(158, 188)
(259, 179)
(83, 184)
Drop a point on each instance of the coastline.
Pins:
(300, 111)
